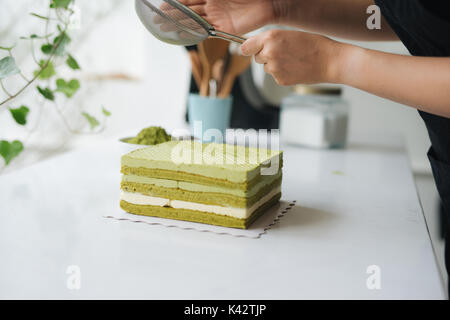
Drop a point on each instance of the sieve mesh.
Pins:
(172, 22)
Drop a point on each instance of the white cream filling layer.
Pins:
(240, 213)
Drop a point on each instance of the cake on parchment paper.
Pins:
(216, 184)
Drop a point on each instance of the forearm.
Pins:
(340, 18)
(420, 82)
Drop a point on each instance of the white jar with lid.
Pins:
(315, 116)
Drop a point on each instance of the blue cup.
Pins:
(209, 117)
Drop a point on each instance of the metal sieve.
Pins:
(174, 23)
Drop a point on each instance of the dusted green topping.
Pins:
(151, 136)
(211, 163)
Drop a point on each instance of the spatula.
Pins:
(218, 72)
(237, 65)
(196, 67)
(210, 51)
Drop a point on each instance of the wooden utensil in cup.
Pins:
(210, 51)
(218, 73)
(196, 67)
(238, 64)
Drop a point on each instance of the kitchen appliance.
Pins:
(315, 116)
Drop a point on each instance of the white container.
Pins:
(315, 117)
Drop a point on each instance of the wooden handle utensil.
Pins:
(238, 64)
(210, 51)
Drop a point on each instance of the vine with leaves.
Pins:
(53, 45)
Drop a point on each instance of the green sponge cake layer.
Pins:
(220, 199)
(197, 179)
(234, 164)
(195, 187)
(198, 216)
(188, 177)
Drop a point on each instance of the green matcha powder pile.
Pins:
(151, 136)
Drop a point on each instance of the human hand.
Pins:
(234, 16)
(294, 57)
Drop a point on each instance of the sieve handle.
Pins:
(228, 37)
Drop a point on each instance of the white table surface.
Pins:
(355, 208)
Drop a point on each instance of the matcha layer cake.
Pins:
(217, 184)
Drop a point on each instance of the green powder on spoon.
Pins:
(151, 136)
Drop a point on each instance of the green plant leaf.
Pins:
(35, 36)
(8, 67)
(10, 150)
(39, 16)
(106, 112)
(20, 114)
(72, 63)
(60, 4)
(7, 48)
(48, 71)
(93, 122)
(59, 45)
(62, 40)
(68, 88)
(46, 93)
(47, 48)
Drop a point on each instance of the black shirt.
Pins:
(439, 8)
(424, 28)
